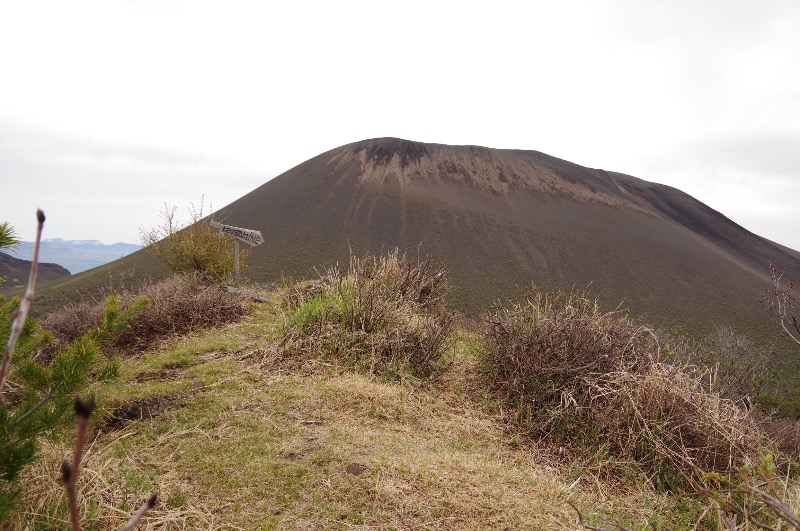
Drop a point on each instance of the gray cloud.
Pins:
(769, 154)
(21, 142)
(95, 191)
(728, 25)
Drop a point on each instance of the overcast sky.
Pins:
(110, 108)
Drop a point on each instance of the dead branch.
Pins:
(24, 306)
(83, 410)
(146, 506)
(780, 301)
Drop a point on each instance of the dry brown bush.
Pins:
(179, 304)
(551, 343)
(384, 314)
(665, 420)
(591, 380)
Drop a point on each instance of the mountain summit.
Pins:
(500, 219)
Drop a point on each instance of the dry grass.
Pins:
(664, 421)
(244, 444)
(108, 493)
(590, 380)
(384, 315)
(178, 305)
(242, 440)
(312, 452)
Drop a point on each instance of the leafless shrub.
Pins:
(384, 314)
(781, 302)
(74, 320)
(548, 348)
(784, 432)
(738, 368)
(179, 304)
(573, 374)
(666, 421)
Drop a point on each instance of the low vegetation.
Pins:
(8, 240)
(736, 367)
(384, 315)
(36, 404)
(192, 247)
(178, 305)
(358, 400)
(594, 382)
(8, 236)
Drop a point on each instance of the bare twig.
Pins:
(83, 410)
(70, 473)
(773, 503)
(739, 510)
(35, 408)
(780, 301)
(146, 506)
(24, 306)
(72, 501)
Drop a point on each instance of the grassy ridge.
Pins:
(232, 440)
(310, 412)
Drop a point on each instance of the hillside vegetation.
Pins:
(358, 400)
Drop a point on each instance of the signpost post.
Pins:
(251, 237)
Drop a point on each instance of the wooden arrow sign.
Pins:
(248, 236)
(252, 237)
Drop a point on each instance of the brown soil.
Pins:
(139, 410)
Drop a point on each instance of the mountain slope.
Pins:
(501, 218)
(15, 271)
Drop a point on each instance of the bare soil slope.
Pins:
(501, 218)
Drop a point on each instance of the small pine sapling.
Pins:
(36, 398)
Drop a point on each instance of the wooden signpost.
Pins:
(251, 237)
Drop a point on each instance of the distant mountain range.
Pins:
(75, 255)
(15, 271)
